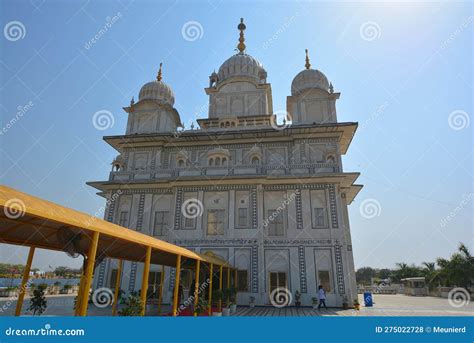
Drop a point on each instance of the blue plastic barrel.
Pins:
(368, 299)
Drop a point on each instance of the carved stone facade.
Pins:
(271, 200)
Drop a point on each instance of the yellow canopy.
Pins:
(30, 221)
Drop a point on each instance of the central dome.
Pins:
(240, 65)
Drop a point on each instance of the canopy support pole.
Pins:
(146, 272)
(83, 295)
(228, 285)
(235, 285)
(160, 293)
(176, 285)
(77, 304)
(24, 281)
(196, 288)
(220, 289)
(118, 282)
(210, 292)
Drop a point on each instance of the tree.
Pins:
(458, 270)
(62, 271)
(38, 301)
(364, 275)
(384, 273)
(405, 271)
(431, 274)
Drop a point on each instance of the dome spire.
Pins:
(307, 64)
(160, 73)
(241, 46)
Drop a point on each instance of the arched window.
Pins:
(224, 161)
(255, 160)
(218, 161)
(211, 161)
(330, 159)
(180, 163)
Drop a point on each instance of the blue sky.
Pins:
(404, 71)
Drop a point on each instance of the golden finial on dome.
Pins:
(307, 65)
(160, 74)
(241, 46)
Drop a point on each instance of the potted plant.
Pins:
(345, 304)
(216, 295)
(233, 300)
(297, 298)
(38, 301)
(252, 302)
(133, 307)
(226, 300)
(54, 289)
(67, 289)
(315, 302)
(7, 292)
(202, 306)
(356, 304)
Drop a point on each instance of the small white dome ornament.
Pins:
(157, 90)
(309, 79)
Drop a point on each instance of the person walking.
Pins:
(322, 297)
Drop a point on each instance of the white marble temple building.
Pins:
(271, 197)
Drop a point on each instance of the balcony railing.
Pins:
(244, 170)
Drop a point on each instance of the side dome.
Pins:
(242, 64)
(157, 90)
(309, 79)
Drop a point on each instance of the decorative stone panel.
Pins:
(302, 265)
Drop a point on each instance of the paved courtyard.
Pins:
(384, 305)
